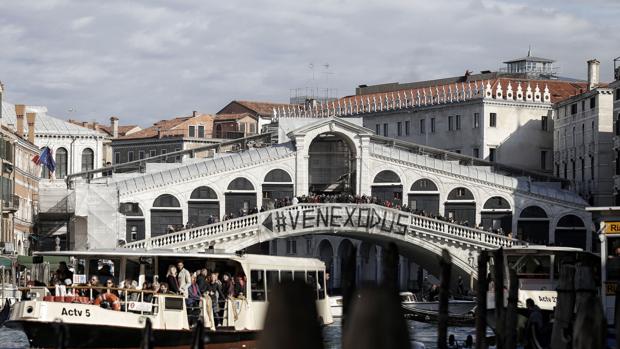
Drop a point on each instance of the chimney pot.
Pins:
(30, 118)
(194, 113)
(593, 73)
(114, 126)
(20, 109)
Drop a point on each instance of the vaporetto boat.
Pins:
(235, 321)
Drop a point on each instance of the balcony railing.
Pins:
(10, 203)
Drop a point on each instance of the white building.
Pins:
(615, 86)
(583, 132)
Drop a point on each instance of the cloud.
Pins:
(150, 60)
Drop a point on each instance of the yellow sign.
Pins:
(610, 287)
(612, 227)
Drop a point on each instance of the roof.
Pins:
(122, 130)
(559, 89)
(264, 109)
(168, 127)
(530, 59)
(44, 124)
(229, 117)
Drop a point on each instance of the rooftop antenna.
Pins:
(529, 51)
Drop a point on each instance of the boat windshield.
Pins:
(531, 266)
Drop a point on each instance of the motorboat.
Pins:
(335, 304)
(460, 312)
(92, 317)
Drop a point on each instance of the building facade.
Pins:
(615, 86)
(165, 136)
(583, 140)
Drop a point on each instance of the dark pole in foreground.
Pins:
(348, 284)
(198, 342)
(444, 295)
(511, 312)
(498, 281)
(481, 299)
(147, 335)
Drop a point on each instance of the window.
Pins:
(583, 169)
(291, 246)
(385, 130)
(565, 170)
(141, 155)
(88, 159)
(192, 131)
(164, 151)
(152, 152)
(308, 248)
(274, 247)
(557, 170)
(273, 278)
(321, 284)
(252, 128)
(476, 120)
(592, 102)
(399, 128)
(583, 133)
(458, 122)
(117, 158)
(583, 105)
(242, 127)
(178, 157)
(257, 287)
(61, 163)
(378, 129)
(543, 159)
(491, 154)
(591, 167)
(618, 94)
(573, 109)
(493, 120)
(422, 126)
(407, 128)
(574, 140)
(450, 123)
(432, 125)
(130, 155)
(458, 151)
(544, 123)
(476, 153)
(201, 131)
(572, 163)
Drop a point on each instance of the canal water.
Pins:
(420, 332)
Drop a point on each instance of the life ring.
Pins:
(111, 298)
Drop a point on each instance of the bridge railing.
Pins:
(435, 226)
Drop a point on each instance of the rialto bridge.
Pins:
(329, 155)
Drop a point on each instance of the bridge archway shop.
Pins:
(166, 213)
(332, 163)
(203, 203)
(240, 196)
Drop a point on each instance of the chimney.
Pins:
(194, 113)
(19, 114)
(593, 73)
(160, 133)
(114, 126)
(30, 117)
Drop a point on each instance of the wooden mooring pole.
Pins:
(510, 334)
(481, 300)
(498, 282)
(561, 337)
(444, 296)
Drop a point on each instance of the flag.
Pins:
(46, 159)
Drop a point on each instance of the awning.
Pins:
(52, 260)
(6, 262)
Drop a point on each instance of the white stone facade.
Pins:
(615, 86)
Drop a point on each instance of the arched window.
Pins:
(166, 200)
(461, 206)
(424, 197)
(533, 225)
(88, 159)
(61, 163)
(240, 184)
(571, 232)
(278, 176)
(277, 189)
(387, 187)
(203, 207)
(496, 213)
(496, 203)
(387, 177)
(166, 215)
(460, 194)
(424, 185)
(533, 212)
(203, 193)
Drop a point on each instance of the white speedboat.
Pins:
(120, 324)
(460, 312)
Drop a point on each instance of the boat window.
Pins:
(321, 284)
(258, 285)
(272, 280)
(531, 266)
(312, 280)
(300, 275)
(174, 303)
(286, 275)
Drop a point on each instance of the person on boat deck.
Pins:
(129, 284)
(184, 277)
(228, 286)
(240, 286)
(94, 288)
(63, 272)
(109, 284)
(534, 325)
(452, 343)
(202, 279)
(172, 281)
(214, 290)
(469, 342)
(104, 274)
(164, 288)
(193, 293)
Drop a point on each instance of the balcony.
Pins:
(10, 203)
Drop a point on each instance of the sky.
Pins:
(144, 61)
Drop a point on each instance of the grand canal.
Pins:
(420, 332)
